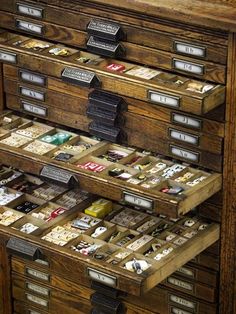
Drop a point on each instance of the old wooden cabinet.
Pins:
(152, 76)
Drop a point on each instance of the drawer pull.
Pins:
(24, 91)
(188, 67)
(58, 175)
(112, 134)
(29, 27)
(138, 200)
(37, 274)
(37, 300)
(181, 301)
(102, 277)
(6, 56)
(185, 271)
(107, 118)
(107, 101)
(105, 47)
(183, 153)
(104, 304)
(35, 109)
(29, 10)
(183, 137)
(23, 249)
(80, 77)
(164, 99)
(186, 121)
(188, 49)
(175, 310)
(180, 283)
(38, 289)
(32, 78)
(105, 30)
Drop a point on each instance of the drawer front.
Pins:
(23, 308)
(152, 91)
(159, 39)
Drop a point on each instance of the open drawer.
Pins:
(135, 252)
(88, 70)
(124, 174)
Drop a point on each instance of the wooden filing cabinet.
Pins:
(180, 105)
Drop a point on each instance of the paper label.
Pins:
(37, 300)
(29, 10)
(179, 283)
(32, 93)
(32, 78)
(186, 121)
(188, 67)
(189, 49)
(186, 271)
(7, 56)
(38, 289)
(35, 109)
(102, 277)
(137, 200)
(183, 302)
(42, 262)
(180, 152)
(37, 274)
(30, 27)
(175, 310)
(164, 99)
(183, 137)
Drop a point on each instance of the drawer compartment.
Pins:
(159, 88)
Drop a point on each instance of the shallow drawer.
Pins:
(164, 60)
(158, 88)
(193, 43)
(153, 269)
(191, 186)
(78, 105)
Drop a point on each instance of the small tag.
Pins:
(102, 277)
(36, 273)
(186, 154)
(80, 77)
(180, 283)
(105, 29)
(188, 66)
(183, 137)
(175, 310)
(29, 10)
(138, 200)
(35, 109)
(189, 49)
(38, 289)
(37, 300)
(23, 249)
(104, 47)
(24, 91)
(164, 99)
(186, 271)
(186, 121)
(32, 78)
(6, 56)
(29, 27)
(58, 175)
(183, 302)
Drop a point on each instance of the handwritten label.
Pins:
(189, 49)
(38, 289)
(29, 27)
(6, 56)
(80, 77)
(164, 99)
(188, 67)
(35, 109)
(180, 152)
(56, 174)
(29, 10)
(186, 271)
(186, 121)
(36, 273)
(183, 302)
(179, 283)
(37, 300)
(32, 78)
(24, 91)
(23, 249)
(183, 137)
(137, 200)
(102, 277)
(175, 310)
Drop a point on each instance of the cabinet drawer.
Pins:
(164, 60)
(160, 91)
(191, 186)
(154, 35)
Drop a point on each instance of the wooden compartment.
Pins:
(154, 91)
